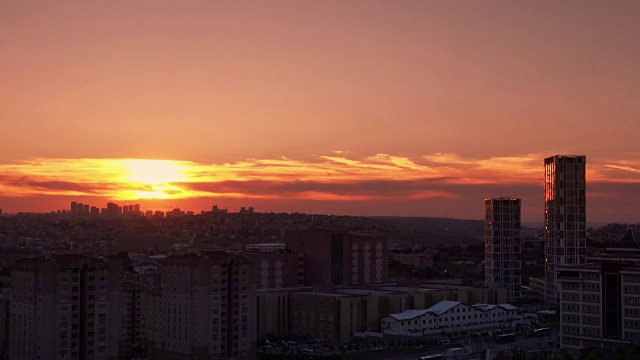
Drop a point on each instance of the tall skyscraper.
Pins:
(502, 245)
(564, 217)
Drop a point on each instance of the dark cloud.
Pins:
(381, 188)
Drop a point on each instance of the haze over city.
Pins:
(394, 108)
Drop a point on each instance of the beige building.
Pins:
(207, 308)
(63, 307)
(336, 312)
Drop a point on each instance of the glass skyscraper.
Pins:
(564, 217)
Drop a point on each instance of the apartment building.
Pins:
(133, 306)
(207, 308)
(600, 300)
(62, 307)
(276, 270)
(340, 257)
(502, 245)
(565, 217)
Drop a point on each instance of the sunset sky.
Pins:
(407, 108)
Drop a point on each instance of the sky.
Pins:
(400, 108)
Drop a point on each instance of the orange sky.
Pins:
(381, 108)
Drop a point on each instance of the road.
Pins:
(521, 342)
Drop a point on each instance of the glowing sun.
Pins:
(155, 172)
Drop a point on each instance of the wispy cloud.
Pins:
(340, 176)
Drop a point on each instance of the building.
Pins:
(276, 270)
(418, 261)
(600, 300)
(335, 313)
(4, 327)
(63, 306)
(155, 322)
(133, 306)
(340, 257)
(502, 245)
(266, 247)
(207, 308)
(449, 316)
(564, 216)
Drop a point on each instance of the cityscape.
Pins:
(89, 283)
(266, 180)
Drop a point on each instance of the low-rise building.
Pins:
(418, 261)
(449, 316)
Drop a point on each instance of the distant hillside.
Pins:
(433, 224)
(437, 231)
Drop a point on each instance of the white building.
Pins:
(449, 316)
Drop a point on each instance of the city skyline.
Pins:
(337, 185)
(408, 109)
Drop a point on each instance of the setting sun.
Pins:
(155, 172)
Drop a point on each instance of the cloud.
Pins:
(439, 179)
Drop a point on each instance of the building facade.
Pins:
(502, 245)
(600, 300)
(335, 312)
(207, 308)
(133, 335)
(276, 270)
(449, 316)
(339, 257)
(565, 217)
(62, 307)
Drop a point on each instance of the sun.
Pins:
(155, 172)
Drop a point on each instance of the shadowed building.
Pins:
(340, 257)
(206, 308)
(276, 270)
(502, 245)
(133, 333)
(600, 300)
(65, 306)
(564, 217)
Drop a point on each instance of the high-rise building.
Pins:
(5, 330)
(502, 245)
(74, 207)
(64, 306)
(564, 217)
(133, 336)
(340, 257)
(207, 308)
